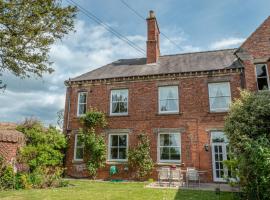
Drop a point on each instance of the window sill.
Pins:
(169, 163)
(169, 113)
(77, 161)
(116, 162)
(123, 115)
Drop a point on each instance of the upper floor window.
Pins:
(118, 145)
(78, 148)
(219, 96)
(169, 147)
(168, 99)
(262, 77)
(81, 110)
(119, 102)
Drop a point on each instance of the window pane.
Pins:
(262, 83)
(114, 140)
(219, 89)
(168, 92)
(175, 153)
(79, 141)
(82, 109)
(164, 139)
(220, 103)
(79, 153)
(164, 153)
(174, 140)
(114, 153)
(122, 107)
(123, 140)
(122, 153)
(115, 107)
(82, 98)
(261, 70)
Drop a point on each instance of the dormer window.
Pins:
(262, 77)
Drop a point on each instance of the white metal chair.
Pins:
(163, 174)
(192, 175)
(176, 176)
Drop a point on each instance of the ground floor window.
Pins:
(118, 145)
(169, 147)
(78, 147)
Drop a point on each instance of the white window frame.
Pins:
(109, 148)
(267, 76)
(219, 109)
(159, 108)
(78, 103)
(75, 149)
(158, 149)
(118, 114)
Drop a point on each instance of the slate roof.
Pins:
(179, 63)
(8, 133)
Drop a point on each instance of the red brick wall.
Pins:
(194, 117)
(8, 150)
(256, 49)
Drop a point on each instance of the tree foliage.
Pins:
(44, 146)
(139, 158)
(248, 129)
(27, 29)
(94, 143)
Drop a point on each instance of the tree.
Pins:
(248, 129)
(60, 118)
(27, 29)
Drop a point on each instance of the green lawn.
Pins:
(106, 190)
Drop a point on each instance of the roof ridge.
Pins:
(195, 52)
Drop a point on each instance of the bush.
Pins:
(139, 159)
(248, 129)
(94, 144)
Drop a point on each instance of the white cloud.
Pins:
(227, 43)
(86, 49)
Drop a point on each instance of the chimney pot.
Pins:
(152, 14)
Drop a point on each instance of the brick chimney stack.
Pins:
(152, 39)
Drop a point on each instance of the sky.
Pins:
(192, 25)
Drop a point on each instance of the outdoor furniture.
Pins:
(176, 175)
(192, 175)
(163, 174)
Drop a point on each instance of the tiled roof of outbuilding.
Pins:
(8, 133)
(179, 63)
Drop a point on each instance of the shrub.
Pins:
(94, 144)
(248, 129)
(139, 159)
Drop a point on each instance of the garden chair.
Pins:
(163, 175)
(176, 176)
(192, 175)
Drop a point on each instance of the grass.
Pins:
(105, 190)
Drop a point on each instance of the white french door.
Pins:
(219, 154)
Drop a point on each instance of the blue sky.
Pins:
(195, 25)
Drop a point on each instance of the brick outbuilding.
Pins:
(10, 141)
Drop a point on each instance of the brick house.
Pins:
(179, 100)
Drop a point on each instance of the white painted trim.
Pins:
(219, 109)
(171, 111)
(224, 152)
(118, 114)
(109, 148)
(158, 149)
(78, 103)
(267, 76)
(75, 149)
